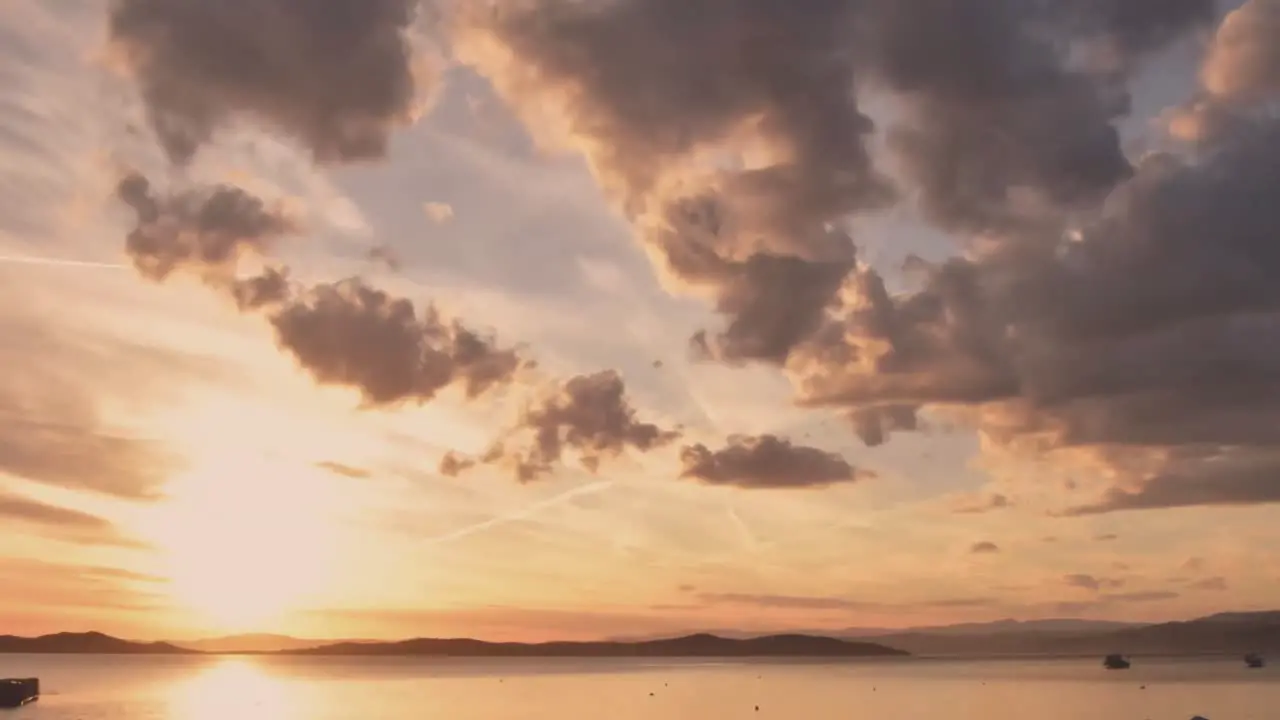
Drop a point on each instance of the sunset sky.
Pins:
(658, 392)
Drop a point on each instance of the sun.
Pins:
(246, 541)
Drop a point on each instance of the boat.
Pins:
(1116, 662)
(16, 692)
(1254, 660)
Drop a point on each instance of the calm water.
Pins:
(133, 688)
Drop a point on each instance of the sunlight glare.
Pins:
(235, 688)
(247, 539)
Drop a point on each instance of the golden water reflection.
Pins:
(240, 689)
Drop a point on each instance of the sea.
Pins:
(85, 687)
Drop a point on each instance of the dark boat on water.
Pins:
(17, 692)
(1254, 660)
(1115, 662)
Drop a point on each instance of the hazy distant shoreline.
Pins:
(1219, 635)
(691, 646)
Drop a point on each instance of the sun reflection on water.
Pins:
(236, 689)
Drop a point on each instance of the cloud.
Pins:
(206, 229)
(986, 107)
(1194, 564)
(97, 588)
(1241, 71)
(438, 212)
(1141, 597)
(1142, 343)
(590, 416)
(61, 522)
(68, 446)
(986, 504)
(345, 333)
(1106, 537)
(337, 75)
(788, 602)
(52, 426)
(353, 335)
(1217, 584)
(766, 462)
(1099, 298)
(801, 602)
(762, 242)
(1223, 477)
(1090, 582)
(344, 470)
(984, 548)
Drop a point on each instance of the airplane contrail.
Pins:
(523, 514)
(60, 262)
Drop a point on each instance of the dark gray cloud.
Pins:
(985, 547)
(589, 417)
(1102, 315)
(337, 75)
(1224, 477)
(650, 84)
(767, 462)
(1106, 537)
(353, 335)
(60, 522)
(345, 333)
(873, 425)
(993, 123)
(207, 229)
(1145, 342)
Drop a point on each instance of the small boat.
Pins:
(16, 692)
(1254, 660)
(1116, 662)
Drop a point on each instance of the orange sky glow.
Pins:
(617, 408)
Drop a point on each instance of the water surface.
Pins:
(248, 688)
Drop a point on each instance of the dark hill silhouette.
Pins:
(1234, 633)
(253, 643)
(90, 643)
(702, 645)
(690, 646)
(1226, 633)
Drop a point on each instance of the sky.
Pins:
(554, 319)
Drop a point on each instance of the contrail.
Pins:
(527, 512)
(59, 262)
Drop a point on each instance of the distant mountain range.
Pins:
(91, 643)
(1225, 633)
(701, 645)
(1000, 627)
(253, 643)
